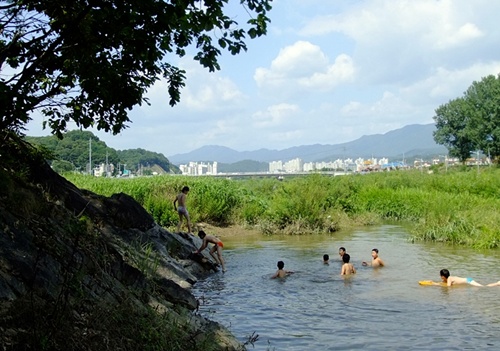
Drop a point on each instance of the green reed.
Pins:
(456, 206)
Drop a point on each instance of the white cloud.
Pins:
(304, 66)
(446, 84)
(395, 39)
(457, 36)
(275, 115)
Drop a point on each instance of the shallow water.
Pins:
(376, 309)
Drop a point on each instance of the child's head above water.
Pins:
(281, 264)
(444, 273)
(346, 257)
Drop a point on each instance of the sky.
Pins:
(327, 72)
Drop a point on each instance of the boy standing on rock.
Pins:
(180, 207)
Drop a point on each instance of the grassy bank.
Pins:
(457, 206)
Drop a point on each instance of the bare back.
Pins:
(347, 268)
(181, 199)
(280, 273)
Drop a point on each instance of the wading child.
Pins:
(281, 273)
(376, 260)
(347, 268)
(341, 252)
(180, 207)
(218, 245)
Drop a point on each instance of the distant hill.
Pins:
(410, 141)
(72, 153)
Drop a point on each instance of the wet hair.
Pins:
(376, 250)
(281, 264)
(342, 248)
(346, 257)
(326, 257)
(202, 234)
(184, 189)
(444, 273)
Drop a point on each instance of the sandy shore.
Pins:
(225, 232)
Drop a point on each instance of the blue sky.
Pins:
(328, 72)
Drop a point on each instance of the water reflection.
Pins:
(316, 308)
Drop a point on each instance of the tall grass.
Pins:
(457, 206)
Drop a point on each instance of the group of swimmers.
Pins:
(347, 267)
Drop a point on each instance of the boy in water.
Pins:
(341, 252)
(181, 209)
(376, 260)
(281, 273)
(326, 259)
(452, 280)
(218, 245)
(347, 268)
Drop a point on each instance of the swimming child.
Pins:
(181, 209)
(452, 280)
(218, 245)
(341, 252)
(376, 260)
(347, 268)
(281, 272)
(326, 259)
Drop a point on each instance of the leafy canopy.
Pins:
(471, 122)
(91, 61)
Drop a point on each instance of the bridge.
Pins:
(281, 175)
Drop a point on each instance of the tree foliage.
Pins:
(71, 153)
(471, 122)
(135, 158)
(91, 61)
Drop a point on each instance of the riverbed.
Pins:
(376, 309)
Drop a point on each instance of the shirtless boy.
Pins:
(452, 280)
(376, 260)
(281, 273)
(180, 207)
(347, 268)
(218, 245)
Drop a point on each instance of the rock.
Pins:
(67, 255)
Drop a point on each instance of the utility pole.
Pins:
(90, 156)
(477, 160)
(107, 164)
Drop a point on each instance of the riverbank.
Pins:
(81, 271)
(460, 206)
(230, 231)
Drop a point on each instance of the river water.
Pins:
(376, 309)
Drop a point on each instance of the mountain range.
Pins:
(411, 141)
